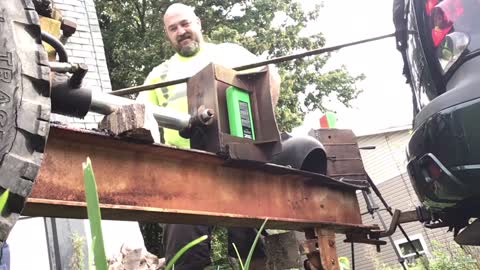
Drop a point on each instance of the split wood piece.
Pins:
(282, 250)
(135, 259)
(133, 121)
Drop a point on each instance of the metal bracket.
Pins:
(208, 87)
(399, 217)
(320, 249)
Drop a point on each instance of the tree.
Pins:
(135, 42)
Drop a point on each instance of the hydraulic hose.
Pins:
(57, 45)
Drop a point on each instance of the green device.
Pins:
(239, 110)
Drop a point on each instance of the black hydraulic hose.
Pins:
(57, 45)
(137, 89)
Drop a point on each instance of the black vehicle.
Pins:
(440, 44)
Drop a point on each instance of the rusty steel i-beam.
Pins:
(164, 184)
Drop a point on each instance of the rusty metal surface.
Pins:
(344, 161)
(310, 249)
(164, 184)
(208, 88)
(409, 216)
(365, 239)
(327, 249)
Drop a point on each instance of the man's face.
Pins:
(184, 32)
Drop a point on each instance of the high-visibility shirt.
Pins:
(175, 97)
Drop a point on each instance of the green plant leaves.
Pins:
(182, 251)
(246, 266)
(94, 216)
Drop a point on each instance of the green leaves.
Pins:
(93, 210)
(246, 265)
(344, 263)
(135, 43)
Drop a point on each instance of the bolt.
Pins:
(68, 27)
(76, 80)
(331, 243)
(206, 116)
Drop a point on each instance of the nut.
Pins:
(68, 27)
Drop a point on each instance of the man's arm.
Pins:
(157, 75)
(148, 97)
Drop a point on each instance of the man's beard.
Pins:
(189, 50)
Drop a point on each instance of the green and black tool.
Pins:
(239, 109)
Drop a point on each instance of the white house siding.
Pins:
(388, 159)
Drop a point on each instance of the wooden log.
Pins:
(282, 251)
(132, 121)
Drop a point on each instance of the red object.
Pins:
(443, 16)
(438, 35)
(430, 5)
(324, 122)
(434, 171)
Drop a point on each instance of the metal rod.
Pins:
(353, 255)
(137, 89)
(61, 67)
(312, 52)
(105, 104)
(49, 247)
(389, 210)
(400, 258)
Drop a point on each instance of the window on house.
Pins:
(406, 250)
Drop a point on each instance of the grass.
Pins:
(94, 216)
(246, 265)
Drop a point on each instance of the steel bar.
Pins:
(312, 52)
(62, 67)
(141, 88)
(137, 89)
(158, 183)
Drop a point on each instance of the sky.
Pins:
(386, 99)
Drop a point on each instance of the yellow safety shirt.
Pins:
(177, 67)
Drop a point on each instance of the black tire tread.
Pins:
(27, 111)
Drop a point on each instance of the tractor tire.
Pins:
(24, 106)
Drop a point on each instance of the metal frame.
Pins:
(207, 89)
(153, 183)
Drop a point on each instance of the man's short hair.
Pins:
(176, 7)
